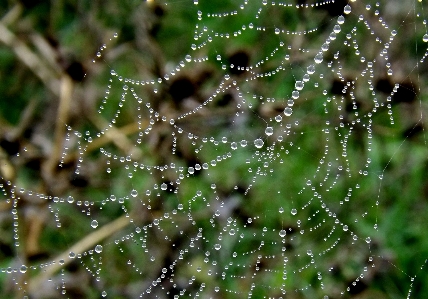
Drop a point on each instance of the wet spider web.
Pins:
(227, 208)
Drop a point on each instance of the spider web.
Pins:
(214, 200)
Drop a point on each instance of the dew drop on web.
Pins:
(98, 249)
(288, 111)
(94, 223)
(258, 143)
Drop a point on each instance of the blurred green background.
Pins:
(79, 91)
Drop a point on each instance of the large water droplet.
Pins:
(258, 143)
(347, 9)
(94, 224)
(134, 193)
(217, 246)
(318, 58)
(295, 94)
(282, 233)
(299, 85)
(311, 69)
(98, 249)
(288, 111)
(293, 212)
(269, 131)
(425, 38)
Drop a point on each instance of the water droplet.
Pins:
(282, 233)
(232, 232)
(281, 210)
(306, 78)
(345, 228)
(293, 212)
(94, 224)
(188, 58)
(134, 193)
(288, 111)
(277, 31)
(299, 85)
(347, 9)
(318, 58)
(340, 20)
(23, 269)
(234, 145)
(217, 246)
(295, 94)
(336, 29)
(71, 255)
(258, 143)
(269, 131)
(104, 293)
(98, 249)
(311, 69)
